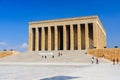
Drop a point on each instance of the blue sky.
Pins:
(15, 15)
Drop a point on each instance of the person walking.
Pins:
(58, 53)
(113, 61)
(97, 61)
(117, 61)
(61, 54)
(52, 56)
(92, 60)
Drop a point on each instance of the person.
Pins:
(97, 61)
(92, 57)
(117, 60)
(61, 54)
(92, 60)
(113, 61)
(45, 57)
(52, 56)
(58, 53)
(103, 55)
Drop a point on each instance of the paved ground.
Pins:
(59, 71)
(69, 66)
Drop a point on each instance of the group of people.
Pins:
(93, 60)
(115, 61)
(59, 53)
(46, 56)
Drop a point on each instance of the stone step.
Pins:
(67, 56)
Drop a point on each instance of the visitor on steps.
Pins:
(61, 54)
(58, 53)
(97, 61)
(117, 61)
(113, 61)
(92, 60)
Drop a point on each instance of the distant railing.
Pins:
(45, 54)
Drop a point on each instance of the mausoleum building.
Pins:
(79, 33)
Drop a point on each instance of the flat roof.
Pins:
(70, 19)
(64, 19)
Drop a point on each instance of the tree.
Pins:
(116, 46)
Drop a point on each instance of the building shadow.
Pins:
(60, 78)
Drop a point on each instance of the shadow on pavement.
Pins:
(60, 78)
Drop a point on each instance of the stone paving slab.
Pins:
(59, 71)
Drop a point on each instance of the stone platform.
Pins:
(67, 57)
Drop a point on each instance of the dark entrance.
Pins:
(33, 37)
(68, 36)
(83, 36)
(60, 37)
(90, 28)
(52, 38)
(46, 38)
(39, 38)
(75, 37)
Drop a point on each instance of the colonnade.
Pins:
(61, 37)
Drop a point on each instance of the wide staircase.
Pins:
(66, 57)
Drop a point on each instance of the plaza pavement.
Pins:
(67, 67)
(59, 71)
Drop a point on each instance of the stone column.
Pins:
(56, 37)
(30, 39)
(105, 40)
(95, 35)
(64, 37)
(86, 36)
(36, 40)
(99, 39)
(43, 39)
(71, 38)
(49, 38)
(79, 36)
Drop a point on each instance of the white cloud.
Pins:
(3, 44)
(24, 45)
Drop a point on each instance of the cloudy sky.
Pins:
(15, 15)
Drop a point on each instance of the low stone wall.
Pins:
(7, 53)
(108, 53)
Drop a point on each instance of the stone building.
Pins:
(79, 33)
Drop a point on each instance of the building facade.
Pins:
(80, 33)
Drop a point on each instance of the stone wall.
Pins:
(108, 53)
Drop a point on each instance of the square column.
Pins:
(71, 38)
(30, 39)
(43, 39)
(79, 36)
(36, 40)
(86, 37)
(64, 37)
(49, 38)
(95, 35)
(56, 37)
